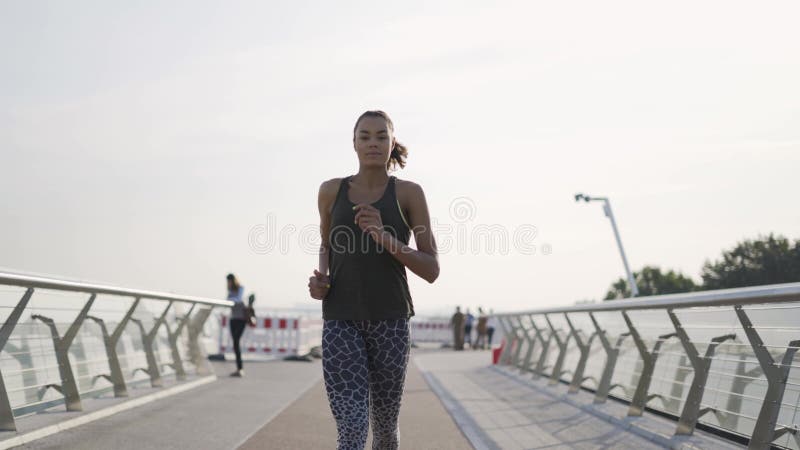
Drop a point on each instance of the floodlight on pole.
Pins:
(610, 215)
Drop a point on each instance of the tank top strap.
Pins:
(394, 202)
(391, 190)
(341, 194)
(345, 186)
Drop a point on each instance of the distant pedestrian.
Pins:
(480, 342)
(491, 324)
(238, 319)
(457, 324)
(468, 321)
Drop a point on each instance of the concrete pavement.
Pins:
(308, 423)
(452, 400)
(216, 416)
(497, 407)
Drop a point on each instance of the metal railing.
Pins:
(51, 353)
(722, 358)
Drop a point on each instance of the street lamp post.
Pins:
(610, 215)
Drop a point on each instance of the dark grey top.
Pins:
(367, 282)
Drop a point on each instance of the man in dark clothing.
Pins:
(457, 324)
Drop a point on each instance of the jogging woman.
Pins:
(366, 220)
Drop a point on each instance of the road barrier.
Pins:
(431, 330)
(274, 336)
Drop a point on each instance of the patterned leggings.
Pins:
(364, 368)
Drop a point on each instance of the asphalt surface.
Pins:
(277, 405)
(452, 400)
(308, 423)
(219, 415)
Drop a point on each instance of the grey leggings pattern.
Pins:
(364, 367)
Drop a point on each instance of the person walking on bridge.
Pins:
(468, 320)
(457, 324)
(480, 341)
(366, 220)
(491, 324)
(238, 319)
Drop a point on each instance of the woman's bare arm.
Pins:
(327, 194)
(319, 282)
(424, 261)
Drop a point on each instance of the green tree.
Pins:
(766, 260)
(652, 281)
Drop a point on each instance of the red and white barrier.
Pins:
(275, 336)
(431, 330)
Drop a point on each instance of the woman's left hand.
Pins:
(368, 218)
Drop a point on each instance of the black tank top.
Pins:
(367, 282)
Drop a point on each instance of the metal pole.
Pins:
(177, 362)
(610, 215)
(777, 374)
(540, 364)
(7, 422)
(612, 353)
(148, 339)
(648, 357)
(583, 348)
(198, 355)
(556, 373)
(68, 387)
(526, 364)
(110, 341)
(701, 366)
(520, 339)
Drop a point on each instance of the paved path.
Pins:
(498, 408)
(277, 405)
(308, 423)
(217, 416)
(452, 400)
(502, 413)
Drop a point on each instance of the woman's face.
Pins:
(230, 285)
(373, 141)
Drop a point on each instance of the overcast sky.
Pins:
(158, 144)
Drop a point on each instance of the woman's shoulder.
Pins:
(406, 184)
(407, 189)
(331, 184)
(328, 189)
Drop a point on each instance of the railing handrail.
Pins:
(774, 359)
(773, 293)
(29, 281)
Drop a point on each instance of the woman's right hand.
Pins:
(318, 285)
